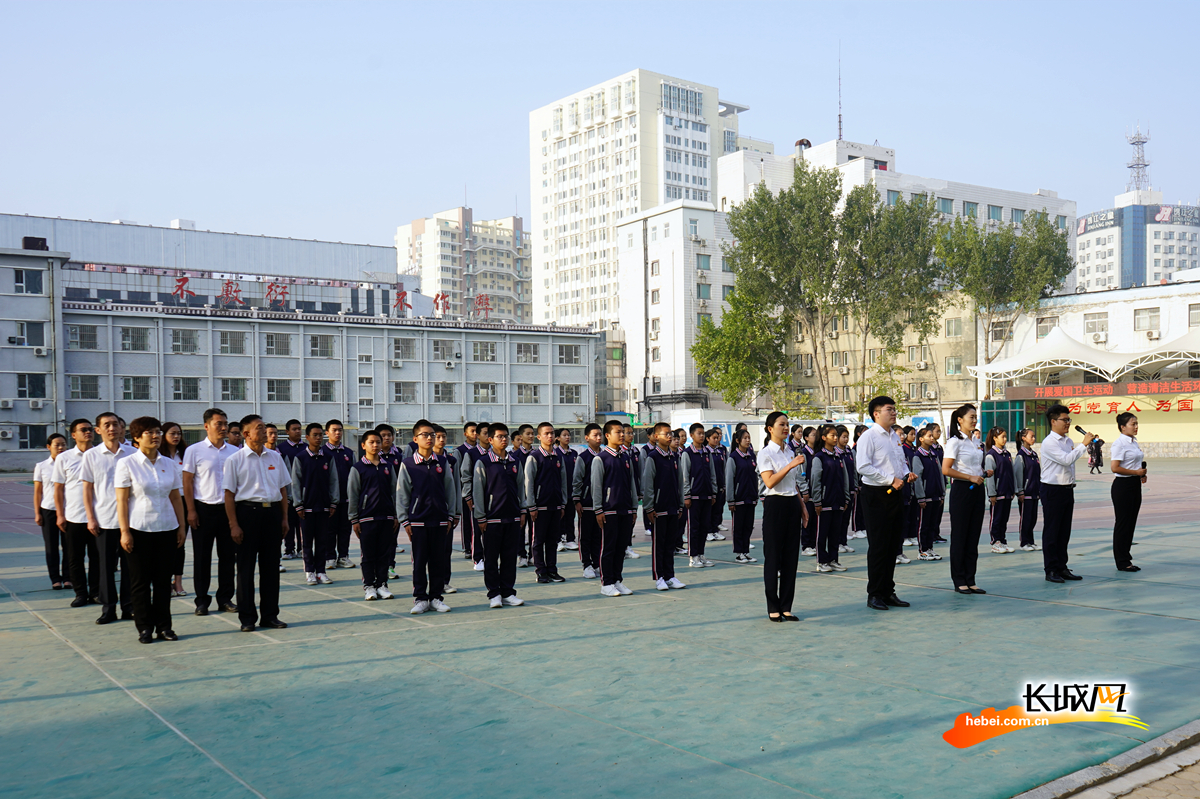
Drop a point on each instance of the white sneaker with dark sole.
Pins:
(808, 552)
(675, 582)
(710, 537)
(310, 578)
(323, 578)
(478, 566)
(449, 589)
(344, 563)
(631, 553)
(696, 563)
(824, 568)
(902, 559)
(930, 555)
(707, 562)
(843, 549)
(837, 567)
(717, 537)
(419, 607)
(1000, 549)
(370, 594)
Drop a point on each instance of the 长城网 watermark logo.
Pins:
(1045, 703)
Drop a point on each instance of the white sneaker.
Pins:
(478, 566)
(910, 542)
(717, 536)
(323, 578)
(621, 589)
(310, 578)
(707, 562)
(383, 593)
(562, 547)
(439, 606)
(330, 564)
(282, 568)
(808, 552)
(571, 545)
(696, 562)
(861, 534)
(649, 533)
(514, 601)
(675, 582)
(1010, 549)
(370, 594)
(744, 559)
(419, 607)
(608, 590)
(930, 555)
(344, 563)
(449, 589)
(902, 559)
(589, 573)
(288, 556)
(824, 568)
(837, 567)
(710, 537)
(1000, 549)
(661, 584)
(495, 602)
(842, 549)
(631, 553)
(752, 546)
(522, 562)
(392, 573)
(722, 528)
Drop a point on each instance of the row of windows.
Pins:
(995, 213)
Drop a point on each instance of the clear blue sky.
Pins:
(341, 121)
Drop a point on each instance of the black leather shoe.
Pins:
(958, 590)
(1129, 568)
(247, 628)
(790, 617)
(1066, 574)
(106, 618)
(227, 607)
(167, 635)
(978, 591)
(201, 611)
(145, 638)
(775, 618)
(557, 578)
(896, 601)
(1051, 577)
(274, 624)
(126, 615)
(875, 603)
(543, 579)
(79, 601)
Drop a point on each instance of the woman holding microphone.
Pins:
(1129, 470)
(784, 483)
(150, 513)
(963, 464)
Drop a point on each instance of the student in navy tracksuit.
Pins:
(911, 509)
(808, 534)
(450, 459)
(497, 496)
(937, 449)
(643, 453)
(566, 528)
(371, 508)
(929, 491)
(614, 501)
(338, 554)
(290, 447)
(581, 495)
(829, 487)
(425, 492)
(469, 457)
(316, 494)
(719, 456)
(1001, 486)
(700, 491)
(662, 497)
(859, 522)
(464, 453)
(522, 447)
(546, 494)
(1027, 477)
(636, 454)
(843, 452)
(741, 492)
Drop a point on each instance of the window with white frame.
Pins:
(322, 391)
(529, 394)
(483, 393)
(233, 342)
(443, 392)
(404, 392)
(279, 391)
(85, 387)
(528, 353)
(135, 339)
(320, 346)
(31, 386)
(404, 349)
(1095, 322)
(569, 354)
(185, 341)
(443, 350)
(1145, 319)
(81, 337)
(27, 281)
(570, 394)
(1045, 324)
(135, 388)
(185, 389)
(954, 364)
(279, 344)
(954, 327)
(483, 351)
(233, 389)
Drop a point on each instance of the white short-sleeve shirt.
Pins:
(98, 467)
(772, 458)
(255, 478)
(66, 472)
(43, 473)
(150, 485)
(206, 463)
(967, 456)
(1127, 452)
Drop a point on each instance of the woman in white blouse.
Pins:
(46, 516)
(152, 526)
(963, 464)
(1129, 468)
(172, 447)
(784, 516)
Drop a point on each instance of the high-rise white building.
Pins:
(481, 267)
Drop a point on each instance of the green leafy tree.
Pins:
(745, 357)
(886, 377)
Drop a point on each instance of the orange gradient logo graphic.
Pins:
(1045, 704)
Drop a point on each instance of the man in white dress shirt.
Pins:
(884, 471)
(1058, 456)
(100, 503)
(256, 482)
(72, 516)
(204, 501)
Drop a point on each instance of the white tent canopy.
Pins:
(1059, 351)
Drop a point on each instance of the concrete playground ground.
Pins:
(690, 692)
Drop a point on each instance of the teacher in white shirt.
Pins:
(1129, 470)
(784, 515)
(1059, 454)
(151, 518)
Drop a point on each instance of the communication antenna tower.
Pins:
(839, 91)
(1139, 167)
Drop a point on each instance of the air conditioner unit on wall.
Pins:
(930, 395)
(397, 363)
(449, 364)
(1153, 335)
(833, 334)
(41, 352)
(1100, 338)
(922, 365)
(36, 404)
(703, 303)
(845, 370)
(5, 405)
(808, 372)
(799, 338)
(5, 434)
(654, 336)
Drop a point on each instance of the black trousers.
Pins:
(931, 524)
(808, 534)
(1001, 510)
(180, 557)
(293, 534)
(743, 526)
(316, 539)
(262, 530)
(881, 513)
(81, 543)
(860, 521)
(53, 539)
(501, 546)
(213, 529)
(847, 517)
(781, 550)
(108, 545)
(1027, 507)
(1058, 508)
(615, 537)
(589, 539)
(718, 511)
(566, 526)
(967, 501)
(662, 553)
(829, 525)
(377, 543)
(699, 517)
(338, 540)
(428, 559)
(546, 535)
(151, 567)
(1127, 501)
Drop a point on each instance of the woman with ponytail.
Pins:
(963, 464)
(784, 482)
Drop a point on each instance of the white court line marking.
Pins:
(222, 617)
(95, 664)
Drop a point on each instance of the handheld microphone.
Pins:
(1080, 430)
(1143, 464)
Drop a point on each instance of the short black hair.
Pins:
(878, 403)
(559, 431)
(78, 422)
(247, 419)
(240, 424)
(105, 415)
(496, 427)
(332, 422)
(469, 425)
(695, 426)
(211, 412)
(385, 428)
(363, 438)
(1055, 411)
(658, 426)
(271, 426)
(523, 428)
(592, 426)
(291, 422)
(488, 426)
(141, 425)
(437, 428)
(610, 425)
(313, 426)
(421, 423)
(50, 438)
(545, 424)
